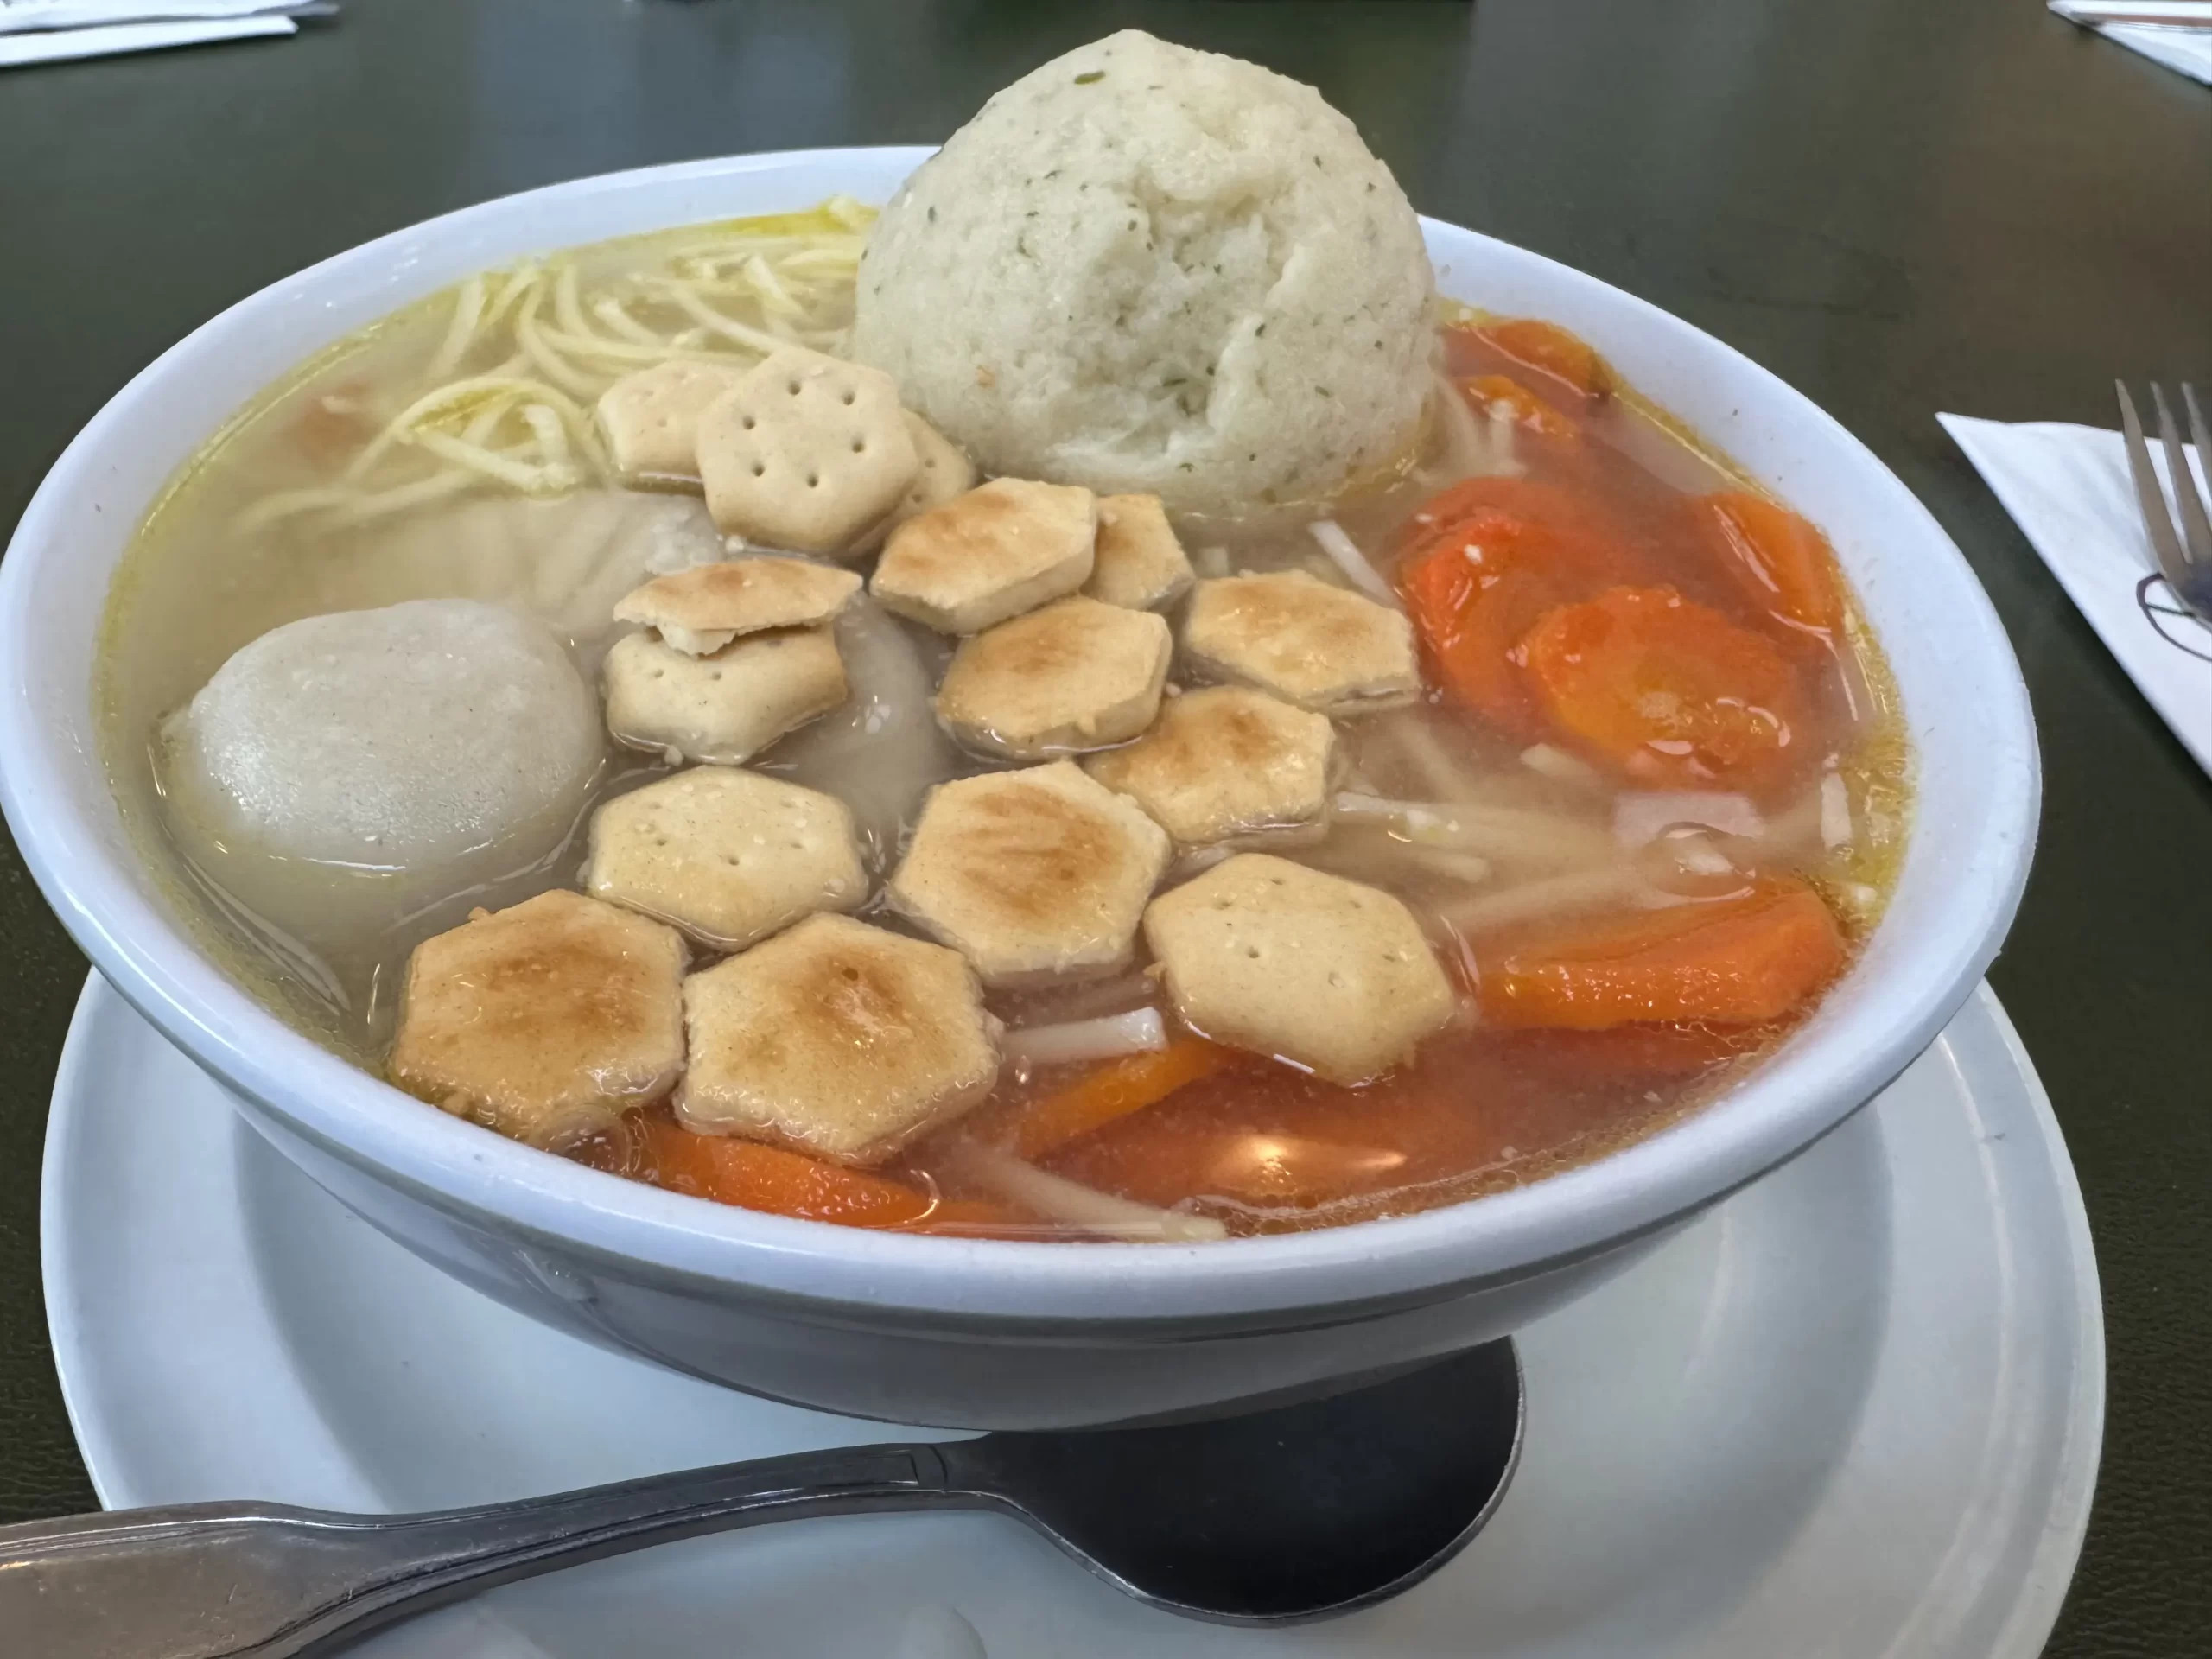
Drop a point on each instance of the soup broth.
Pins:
(1610, 876)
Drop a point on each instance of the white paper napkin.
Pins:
(61, 45)
(53, 31)
(2187, 50)
(2069, 488)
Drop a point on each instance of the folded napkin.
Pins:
(2187, 50)
(2069, 488)
(51, 31)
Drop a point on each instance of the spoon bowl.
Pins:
(1302, 1512)
(1310, 1509)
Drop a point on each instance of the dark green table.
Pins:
(1899, 206)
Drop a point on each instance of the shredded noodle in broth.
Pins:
(507, 392)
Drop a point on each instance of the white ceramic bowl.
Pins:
(972, 1332)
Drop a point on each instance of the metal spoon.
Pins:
(1272, 1517)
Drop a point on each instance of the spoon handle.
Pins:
(209, 1580)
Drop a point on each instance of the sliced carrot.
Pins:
(1587, 535)
(1114, 1090)
(757, 1177)
(1488, 391)
(1300, 1143)
(1736, 961)
(1482, 561)
(1549, 349)
(1668, 692)
(1782, 564)
(1468, 617)
(334, 422)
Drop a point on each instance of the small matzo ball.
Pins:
(1150, 269)
(421, 747)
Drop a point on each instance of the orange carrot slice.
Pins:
(1469, 614)
(784, 1183)
(1114, 1090)
(1303, 1142)
(1549, 349)
(1736, 961)
(1482, 561)
(1668, 692)
(1589, 537)
(1487, 392)
(1782, 564)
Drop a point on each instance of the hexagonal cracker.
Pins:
(700, 610)
(1331, 974)
(1223, 761)
(1138, 562)
(836, 1039)
(546, 1020)
(649, 418)
(1299, 639)
(1003, 547)
(807, 452)
(946, 474)
(1076, 675)
(728, 856)
(1031, 875)
(724, 709)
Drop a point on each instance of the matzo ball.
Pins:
(409, 752)
(1151, 270)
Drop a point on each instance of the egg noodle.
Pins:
(504, 400)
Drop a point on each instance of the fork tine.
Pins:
(2187, 507)
(2197, 435)
(2149, 500)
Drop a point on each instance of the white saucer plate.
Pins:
(1853, 1410)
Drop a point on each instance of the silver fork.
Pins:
(2185, 557)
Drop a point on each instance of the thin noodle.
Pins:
(611, 312)
(1460, 867)
(1556, 764)
(287, 504)
(1344, 553)
(485, 420)
(1465, 453)
(617, 351)
(444, 397)
(841, 260)
(1495, 831)
(551, 363)
(1419, 748)
(567, 310)
(450, 481)
(460, 335)
(1556, 895)
(531, 478)
(545, 427)
(692, 306)
(1501, 438)
(774, 294)
(562, 344)
(523, 279)
(1075, 1205)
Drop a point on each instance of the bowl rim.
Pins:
(1815, 1082)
